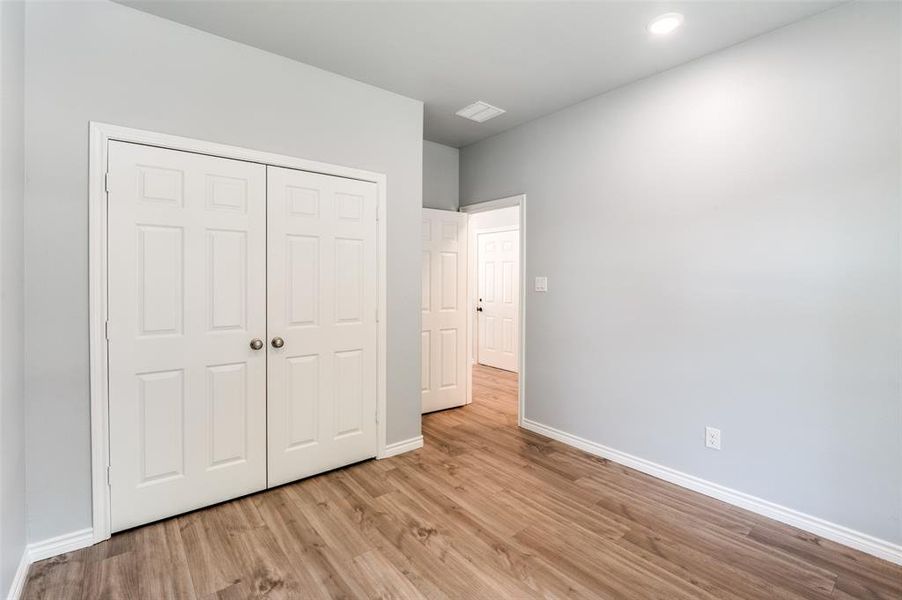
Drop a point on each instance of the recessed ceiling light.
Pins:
(665, 23)
(480, 112)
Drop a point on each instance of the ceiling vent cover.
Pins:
(480, 112)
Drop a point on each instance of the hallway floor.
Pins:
(484, 510)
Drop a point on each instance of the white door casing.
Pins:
(103, 257)
(498, 299)
(444, 310)
(322, 301)
(187, 293)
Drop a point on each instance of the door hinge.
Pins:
(106, 182)
(106, 330)
(377, 314)
(109, 476)
(377, 416)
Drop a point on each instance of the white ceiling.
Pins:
(527, 58)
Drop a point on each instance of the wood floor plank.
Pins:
(53, 577)
(722, 578)
(319, 569)
(484, 510)
(161, 562)
(213, 556)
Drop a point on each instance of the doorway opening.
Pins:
(473, 306)
(494, 295)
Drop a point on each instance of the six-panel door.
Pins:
(498, 271)
(443, 344)
(322, 307)
(187, 294)
(242, 328)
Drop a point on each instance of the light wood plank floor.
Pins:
(485, 510)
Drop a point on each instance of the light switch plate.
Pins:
(541, 284)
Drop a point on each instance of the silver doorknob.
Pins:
(277, 342)
(256, 344)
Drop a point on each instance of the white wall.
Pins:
(440, 176)
(105, 62)
(12, 397)
(722, 243)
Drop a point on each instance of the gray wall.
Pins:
(722, 243)
(440, 176)
(12, 397)
(105, 62)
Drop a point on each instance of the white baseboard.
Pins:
(18, 582)
(403, 446)
(825, 529)
(60, 544)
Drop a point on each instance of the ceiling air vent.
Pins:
(480, 112)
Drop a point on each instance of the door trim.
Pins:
(100, 136)
(518, 200)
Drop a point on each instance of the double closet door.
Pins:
(242, 335)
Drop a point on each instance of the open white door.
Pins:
(187, 294)
(322, 344)
(498, 298)
(444, 306)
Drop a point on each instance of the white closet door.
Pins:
(498, 266)
(187, 294)
(444, 305)
(322, 304)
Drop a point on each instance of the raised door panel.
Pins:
(302, 400)
(301, 202)
(322, 290)
(227, 194)
(227, 280)
(489, 331)
(449, 352)
(425, 361)
(227, 404)
(187, 395)
(161, 185)
(302, 280)
(161, 427)
(507, 282)
(160, 275)
(450, 269)
(349, 280)
(426, 282)
(487, 276)
(349, 393)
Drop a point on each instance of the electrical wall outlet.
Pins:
(541, 284)
(712, 437)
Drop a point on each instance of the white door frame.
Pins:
(520, 201)
(100, 136)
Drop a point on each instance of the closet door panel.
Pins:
(322, 292)
(187, 294)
